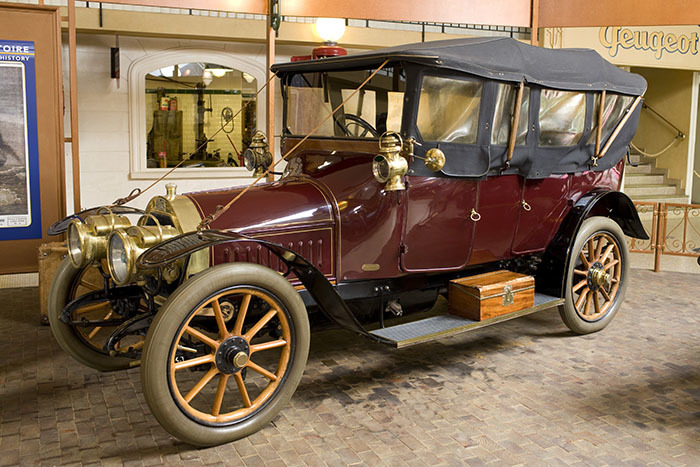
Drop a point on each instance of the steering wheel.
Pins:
(357, 127)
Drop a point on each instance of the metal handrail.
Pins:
(680, 135)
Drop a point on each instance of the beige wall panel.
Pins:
(669, 93)
(656, 46)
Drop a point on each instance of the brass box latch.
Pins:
(507, 295)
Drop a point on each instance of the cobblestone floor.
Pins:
(523, 392)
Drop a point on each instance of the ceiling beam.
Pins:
(257, 7)
(574, 13)
(493, 12)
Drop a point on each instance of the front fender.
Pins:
(318, 286)
(551, 274)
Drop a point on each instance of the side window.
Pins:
(562, 117)
(503, 115)
(448, 109)
(613, 110)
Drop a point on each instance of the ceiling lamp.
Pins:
(330, 30)
(207, 77)
(217, 70)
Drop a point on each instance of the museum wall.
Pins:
(103, 105)
(106, 146)
(669, 92)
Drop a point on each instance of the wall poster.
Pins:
(20, 204)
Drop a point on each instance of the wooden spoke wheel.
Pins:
(85, 342)
(212, 376)
(596, 277)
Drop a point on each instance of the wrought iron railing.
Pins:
(674, 229)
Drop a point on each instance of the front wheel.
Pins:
(84, 342)
(597, 276)
(225, 353)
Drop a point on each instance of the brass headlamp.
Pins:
(389, 166)
(257, 158)
(125, 246)
(87, 241)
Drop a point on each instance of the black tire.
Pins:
(64, 289)
(595, 291)
(193, 309)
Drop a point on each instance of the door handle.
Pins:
(475, 216)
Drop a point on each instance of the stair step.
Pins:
(636, 158)
(639, 169)
(651, 190)
(662, 198)
(635, 179)
(436, 327)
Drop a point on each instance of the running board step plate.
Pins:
(436, 327)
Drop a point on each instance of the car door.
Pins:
(446, 114)
(498, 209)
(438, 231)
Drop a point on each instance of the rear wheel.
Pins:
(596, 279)
(225, 353)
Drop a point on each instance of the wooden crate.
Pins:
(491, 294)
(50, 256)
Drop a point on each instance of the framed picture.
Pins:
(20, 213)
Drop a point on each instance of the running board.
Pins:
(436, 327)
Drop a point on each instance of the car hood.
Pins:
(286, 204)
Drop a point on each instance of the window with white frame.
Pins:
(197, 108)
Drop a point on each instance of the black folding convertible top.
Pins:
(500, 58)
(505, 59)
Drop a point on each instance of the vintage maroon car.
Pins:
(453, 159)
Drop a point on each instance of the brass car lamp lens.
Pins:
(380, 168)
(75, 247)
(257, 160)
(249, 159)
(87, 241)
(118, 259)
(125, 246)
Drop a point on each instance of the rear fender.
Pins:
(551, 274)
(318, 286)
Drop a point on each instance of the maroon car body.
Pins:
(340, 219)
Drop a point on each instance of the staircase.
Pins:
(646, 182)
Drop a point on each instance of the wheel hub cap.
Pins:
(232, 355)
(240, 360)
(597, 277)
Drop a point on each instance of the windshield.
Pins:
(376, 108)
